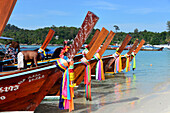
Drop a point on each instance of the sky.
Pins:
(150, 15)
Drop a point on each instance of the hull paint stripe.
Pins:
(28, 72)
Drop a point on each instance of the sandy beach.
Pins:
(117, 94)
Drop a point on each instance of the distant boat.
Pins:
(151, 48)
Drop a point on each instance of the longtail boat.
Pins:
(108, 60)
(79, 67)
(151, 48)
(127, 56)
(131, 56)
(24, 90)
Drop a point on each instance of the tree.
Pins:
(136, 30)
(154, 41)
(168, 25)
(116, 28)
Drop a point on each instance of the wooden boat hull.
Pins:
(24, 90)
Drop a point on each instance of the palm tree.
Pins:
(116, 28)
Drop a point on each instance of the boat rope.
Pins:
(66, 88)
(87, 78)
(134, 61)
(99, 67)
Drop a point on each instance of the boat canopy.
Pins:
(6, 38)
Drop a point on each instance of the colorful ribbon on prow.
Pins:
(118, 62)
(99, 67)
(127, 68)
(66, 88)
(64, 50)
(87, 78)
(42, 52)
(134, 61)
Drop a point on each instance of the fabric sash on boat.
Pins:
(99, 67)
(64, 50)
(66, 88)
(85, 51)
(87, 78)
(118, 62)
(42, 53)
(134, 61)
(127, 68)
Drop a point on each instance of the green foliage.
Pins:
(62, 33)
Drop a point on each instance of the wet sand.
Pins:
(117, 94)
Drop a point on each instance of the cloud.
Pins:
(101, 5)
